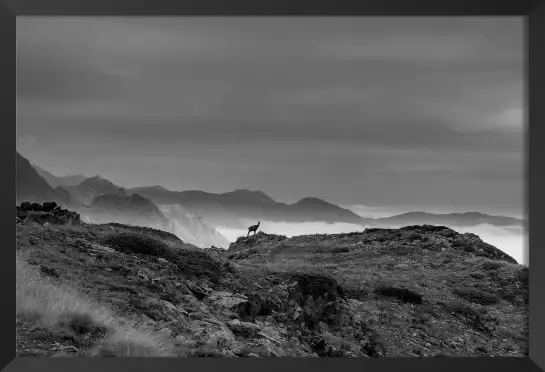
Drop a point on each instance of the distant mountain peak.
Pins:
(312, 201)
(244, 191)
(97, 178)
(100, 181)
(251, 194)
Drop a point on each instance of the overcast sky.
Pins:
(401, 112)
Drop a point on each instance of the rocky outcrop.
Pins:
(48, 212)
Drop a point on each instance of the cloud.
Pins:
(509, 240)
(354, 101)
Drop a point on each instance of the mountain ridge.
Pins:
(54, 181)
(30, 186)
(234, 208)
(219, 207)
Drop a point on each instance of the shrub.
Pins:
(477, 275)
(523, 276)
(136, 243)
(82, 324)
(340, 250)
(403, 294)
(492, 265)
(414, 236)
(381, 238)
(476, 296)
(473, 317)
(148, 231)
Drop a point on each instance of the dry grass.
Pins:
(54, 306)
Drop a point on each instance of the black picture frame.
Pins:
(532, 10)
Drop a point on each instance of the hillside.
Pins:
(129, 210)
(30, 186)
(415, 291)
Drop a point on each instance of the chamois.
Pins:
(253, 228)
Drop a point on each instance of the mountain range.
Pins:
(55, 181)
(234, 209)
(457, 219)
(227, 209)
(193, 215)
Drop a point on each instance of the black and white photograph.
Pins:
(272, 186)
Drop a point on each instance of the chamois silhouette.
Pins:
(253, 228)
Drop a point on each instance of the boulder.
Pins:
(21, 213)
(26, 206)
(315, 286)
(245, 328)
(49, 206)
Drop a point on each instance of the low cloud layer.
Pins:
(511, 240)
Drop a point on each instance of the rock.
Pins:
(169, 305)
(297, 314)
(245, 328)
(49, 206)
(142, 276)
(26, 206)
(263, 348)
(316, 286)
(227, 300)
(21, 213)
(259, 304)
(324, 349)
(37, 207)
(197, 291)
(252, 355)
(49, 271)
(273, 340)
